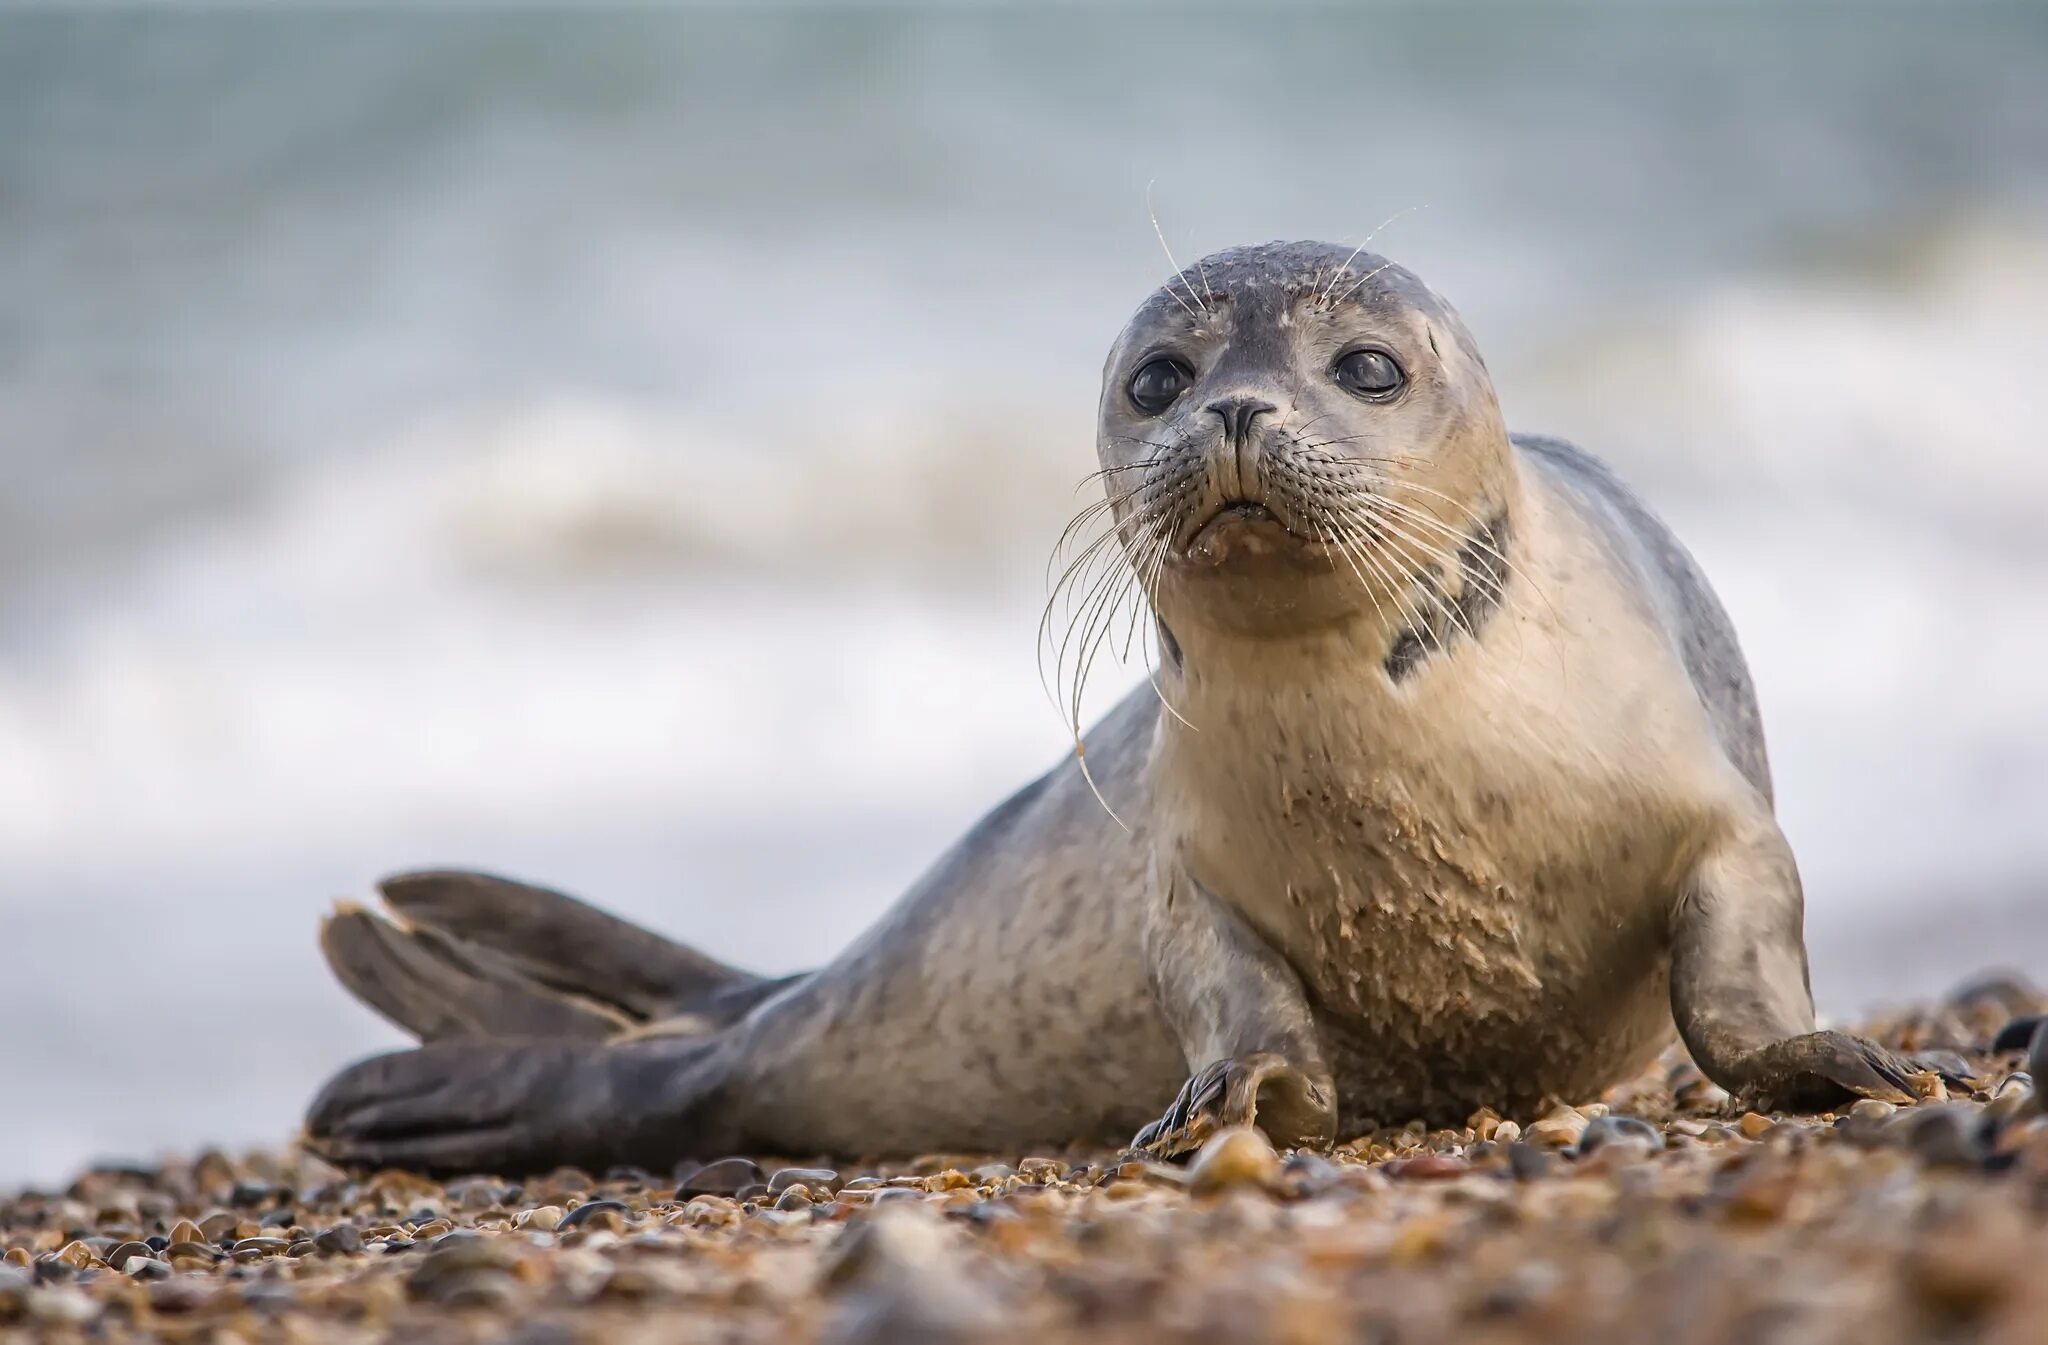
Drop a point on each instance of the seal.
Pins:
(1450, 792)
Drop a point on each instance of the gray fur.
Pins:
(1475, 807)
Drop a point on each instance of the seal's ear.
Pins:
(436, 989)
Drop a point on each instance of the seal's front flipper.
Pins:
(1740, 994)
(1244, 1025)
(1263, 1089)
(519, 1107)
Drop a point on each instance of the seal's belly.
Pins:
(1449, 974)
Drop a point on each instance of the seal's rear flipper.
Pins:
(435, 989)
(471, 955)
(516, 1107)
(562, 943)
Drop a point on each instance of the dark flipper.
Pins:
(560, 942)
(516, 1107)
(555, 1034)
(470, 955)
(435, 989)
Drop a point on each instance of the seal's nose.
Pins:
(1237, 415)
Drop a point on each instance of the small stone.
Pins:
(1872, 1109)
(1236, 1156)
(251, 1193)
(1761, 1194)
(794, 1197)
(1619, 1133)
(728, 1176)
(76, 1255)
(1944, 1134)
(1527, 1162)
(340, 1240)
(474, 1193)
(541, 1219)
(255, 1249)
(606, 1214)
(1559, 1130)
(992, 1172)
(1755, 1125)
(902, 1274)
(218, 1228)
(182, 1294)
(120, 1256)
(61, 1306)
(817, 1179)
(187, 1231)
(1427, 1167)
(146, 1268)
(1041, 1170)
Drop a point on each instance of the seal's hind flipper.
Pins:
(562, 943)
(436, 989)
(527, 1105)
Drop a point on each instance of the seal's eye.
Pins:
(1370, 373)
(1160, 384)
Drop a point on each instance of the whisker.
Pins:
(1179, 274)
(1321, 299)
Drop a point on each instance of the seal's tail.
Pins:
(471, 955)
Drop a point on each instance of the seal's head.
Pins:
(1296, 434)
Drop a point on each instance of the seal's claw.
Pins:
(1822, 1070)
(1264, 1089)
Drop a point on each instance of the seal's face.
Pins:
(1296, 432)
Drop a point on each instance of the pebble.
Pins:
(540, 1219)
(1944, 1134)
(1428, 1167)
(1879, 1229)
(1527, 1162)
(727, 1176)
(817, 1179)
(120, 1256)
(901, 1276)
(1235, 1156)
(1755, 1125)
(606, 1214)
(1559, 1130)
(340, 1240)
(1618, 1133)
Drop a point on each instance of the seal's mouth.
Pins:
(1246, 527)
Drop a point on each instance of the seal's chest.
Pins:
(1410, 915)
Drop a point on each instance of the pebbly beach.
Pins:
(1663, 1210)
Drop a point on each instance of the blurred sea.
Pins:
(621, 449)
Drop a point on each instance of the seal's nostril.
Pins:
(1238, 413)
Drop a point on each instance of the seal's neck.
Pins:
(1389, 635)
